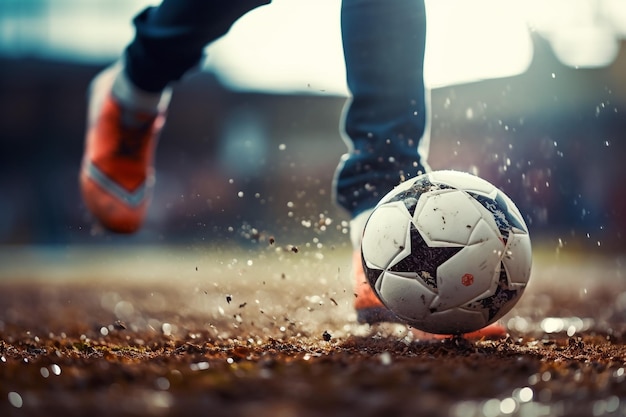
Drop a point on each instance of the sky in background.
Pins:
(295, 45)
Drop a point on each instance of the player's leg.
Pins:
(128, 100)
(385, 122)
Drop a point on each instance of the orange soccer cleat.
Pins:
(369, 308)
(117, 174)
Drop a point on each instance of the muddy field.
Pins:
(271, 332)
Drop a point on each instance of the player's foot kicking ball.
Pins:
(123, 125)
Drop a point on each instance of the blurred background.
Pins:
(530, 95)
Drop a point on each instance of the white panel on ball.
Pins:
(406, 297)
(386, 236)
(464, 181)
(446, 217)
(471, 272)
(454, 321)
(518, 257)
(403, 186)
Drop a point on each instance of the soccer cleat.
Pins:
(369, 308)
(117, 174)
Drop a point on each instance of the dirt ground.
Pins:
(271, 332)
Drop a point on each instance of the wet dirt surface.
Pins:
(273, 334)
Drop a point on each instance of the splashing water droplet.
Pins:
(15, 399)
(199, 366)
(56, 369)
(162, 383)
(508, 406)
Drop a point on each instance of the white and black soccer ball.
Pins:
(447, 252)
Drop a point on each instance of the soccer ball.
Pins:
(447, 252)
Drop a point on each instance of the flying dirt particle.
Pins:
(255, 235)
(326, 336)
(119, 325)
(242, 305)
(333, 301)
(294, 249)
(229, 298)
(196, 268)
(271, 240)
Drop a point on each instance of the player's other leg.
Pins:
(128, 102)
(116, 175)
(385, 122)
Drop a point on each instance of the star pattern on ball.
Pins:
(498, 207)
(424, 260)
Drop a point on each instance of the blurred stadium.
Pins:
(529, 95)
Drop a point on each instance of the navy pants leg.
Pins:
(170, 39)
(384, 45)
